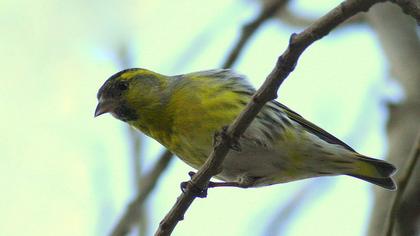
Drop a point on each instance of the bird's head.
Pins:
(130, 93)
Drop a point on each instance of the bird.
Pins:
(183, 113)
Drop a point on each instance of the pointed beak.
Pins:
(104, 106)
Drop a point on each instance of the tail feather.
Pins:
(387, 183)
(375, 171)
(383, 168)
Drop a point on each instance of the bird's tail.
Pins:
(374, 171)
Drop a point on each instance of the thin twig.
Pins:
(268, 91)
(147, 184)
(249, 29)
(410, 7)
(402, 184)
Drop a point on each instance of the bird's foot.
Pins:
(189, 185)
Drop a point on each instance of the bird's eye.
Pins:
(122, 86)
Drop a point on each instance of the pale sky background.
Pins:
(66, 173)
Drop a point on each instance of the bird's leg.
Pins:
(229, 184)
(201, 193)
(242, 183)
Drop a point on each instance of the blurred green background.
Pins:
(66, 173)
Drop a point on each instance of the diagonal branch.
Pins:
(268, 91)
(402, 184)
(146, 185)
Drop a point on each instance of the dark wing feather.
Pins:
(312, 128)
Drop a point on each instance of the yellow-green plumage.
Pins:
(183, 112)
